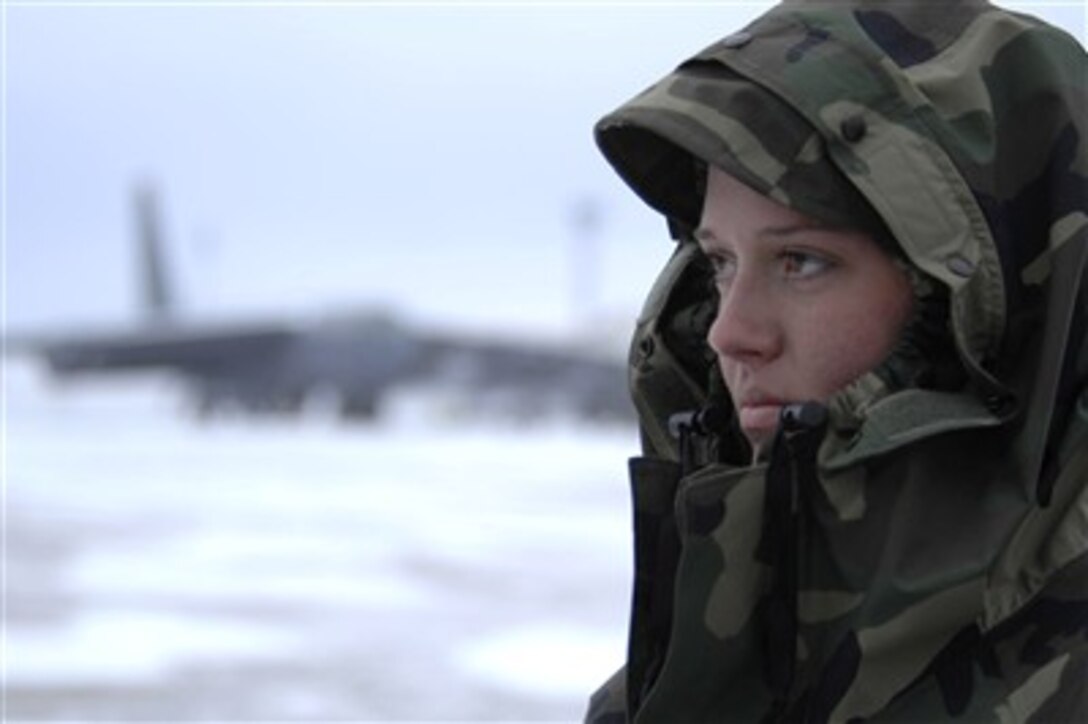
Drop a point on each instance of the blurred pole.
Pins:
(586, 263)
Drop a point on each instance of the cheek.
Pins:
(730, 370)
(855, 340)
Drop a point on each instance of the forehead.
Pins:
(732, 209)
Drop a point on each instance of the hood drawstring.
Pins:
(705, 423)
(790, 475)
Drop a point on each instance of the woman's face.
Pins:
(805, 309)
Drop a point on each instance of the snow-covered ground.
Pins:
(426, 568)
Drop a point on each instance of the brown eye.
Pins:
(803, 264)
(724, 266)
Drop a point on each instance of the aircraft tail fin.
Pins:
(157, 301)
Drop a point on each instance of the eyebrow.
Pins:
(704, 234)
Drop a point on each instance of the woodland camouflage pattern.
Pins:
(916, 550)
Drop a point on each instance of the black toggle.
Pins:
(803, 416)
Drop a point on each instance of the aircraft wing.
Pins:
(529, 377)
(194, 351)
(276, 368)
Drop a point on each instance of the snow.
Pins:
(422, 568)
(564, 656)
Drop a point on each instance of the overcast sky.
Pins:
(428, 157)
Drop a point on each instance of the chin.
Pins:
(760, 440)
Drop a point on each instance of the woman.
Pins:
(862, 378)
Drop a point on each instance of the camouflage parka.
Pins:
(915, 549)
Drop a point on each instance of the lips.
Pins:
(758, 416)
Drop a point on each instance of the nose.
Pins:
(746, 328)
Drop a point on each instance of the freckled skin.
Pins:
(804, 309)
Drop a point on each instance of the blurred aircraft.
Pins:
(355, 361)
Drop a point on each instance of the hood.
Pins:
(957, 132)
(957, 128)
